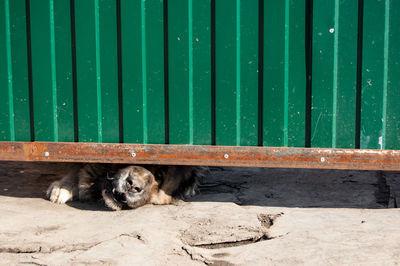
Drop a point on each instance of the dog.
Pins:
(126, 186)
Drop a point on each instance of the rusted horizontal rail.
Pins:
(201, 155)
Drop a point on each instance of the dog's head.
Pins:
(129, 187)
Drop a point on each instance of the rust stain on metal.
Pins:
(201, 155)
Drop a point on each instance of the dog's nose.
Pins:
(131, 185)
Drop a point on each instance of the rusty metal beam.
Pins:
(201, 155)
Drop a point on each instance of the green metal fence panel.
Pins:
(284, 74)
(274, 72)
(52, 70)
(180, 66)
(380, 91)
(87, 71)
(334, 74)
(200, 74)
(226, 72)
(108, 57)
(345, 72)
(324, 65)
(63, 70)
(374, 70)
(17, 118)
(5, 117)
(189, 72)
(295, 75)
(154, 125)
(236, 85)
(247, 94)
(132, 71)
(43, 70)
(205, 72)
(392, 131)
(97, 71)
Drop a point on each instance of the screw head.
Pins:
(226, 156)
(133, 154)
(46, 153)
(322, 159)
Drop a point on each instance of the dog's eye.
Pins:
(137, 189)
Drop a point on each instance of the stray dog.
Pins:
(126, 186)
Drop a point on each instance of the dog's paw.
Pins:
(191, 191)
(59, 193)
(198, 174)
(178, 202)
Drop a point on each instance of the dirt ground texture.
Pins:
(243, 216)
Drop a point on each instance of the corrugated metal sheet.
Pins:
(304, 73)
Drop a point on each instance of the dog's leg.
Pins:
(162, 193)
(161, 198)
(91, 177)
(65, 189)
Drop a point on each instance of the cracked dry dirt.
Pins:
(243, 216)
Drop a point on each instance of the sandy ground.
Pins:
(243, 216)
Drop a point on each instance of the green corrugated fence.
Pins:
(284, 73)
